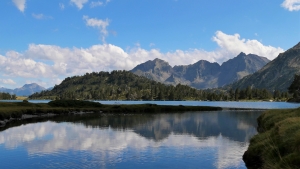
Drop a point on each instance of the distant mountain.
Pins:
(277, 74)
(26, 90)
(157, 70)
(5, 90)
(202, 74)
(239, 67)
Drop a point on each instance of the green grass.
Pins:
(278, 143)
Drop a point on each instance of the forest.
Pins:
(7, 96)
(124, 85)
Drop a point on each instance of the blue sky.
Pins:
(47, 41)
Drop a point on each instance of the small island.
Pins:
(19, 110)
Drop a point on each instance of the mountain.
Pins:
(202, 74)
(239, 67)
(26, 90)
(5, 90)
(277, 74)
(157, 70)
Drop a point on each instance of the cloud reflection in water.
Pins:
(141, 143)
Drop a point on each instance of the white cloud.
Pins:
(20, 4)
(41, 16)
(53, 63)
(61, 6)
(96, 3)
(231, 45)
(291, 5)
(8, 81)
(99, 24)
(79, 3)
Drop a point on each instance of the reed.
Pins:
(278, 143)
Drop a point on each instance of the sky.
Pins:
(44, 41)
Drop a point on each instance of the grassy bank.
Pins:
(278, 143)
(17, 109)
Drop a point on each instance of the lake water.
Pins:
(231, 104)
(215, 139)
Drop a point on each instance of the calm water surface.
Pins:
(181, 140)
(231, 104)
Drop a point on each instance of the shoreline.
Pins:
(45, 115)
(10, 111)
(277, 144)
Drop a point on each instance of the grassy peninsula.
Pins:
(16, 110)
(278, 143)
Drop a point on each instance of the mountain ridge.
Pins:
(202, 74)
(277, 74)
(25, 90)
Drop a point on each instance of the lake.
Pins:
(229, 104)
(215, 139)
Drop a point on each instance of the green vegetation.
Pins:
(124, 85)
(7, 96)
(17, 109)
(73, 103)
(278, 143)
(294, 89)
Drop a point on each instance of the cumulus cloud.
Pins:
(20, 4)
(52, 63)
(98, 24)
(79, 3)
(41, 16)
(233, 44)
(291, 5)
(8, 81)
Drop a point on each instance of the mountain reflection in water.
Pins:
(180, 140)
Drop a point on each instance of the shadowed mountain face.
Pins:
(157, 70)
(202, 74)
(239, 67)
(26, 90)
(277, 74)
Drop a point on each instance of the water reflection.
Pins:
(183, 140)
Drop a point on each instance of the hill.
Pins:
(118, 85)
(202, 74)
(277, 74)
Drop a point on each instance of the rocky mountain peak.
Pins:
(297, 46)
(241, 54)
(202, 74)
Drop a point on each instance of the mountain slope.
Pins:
(157, 70)
(239, 67)
(201, 74)
(118, 85)
(26, 90)
(277, 74)
(5, 90)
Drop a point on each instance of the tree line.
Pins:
(7, 96)
(124, 85)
